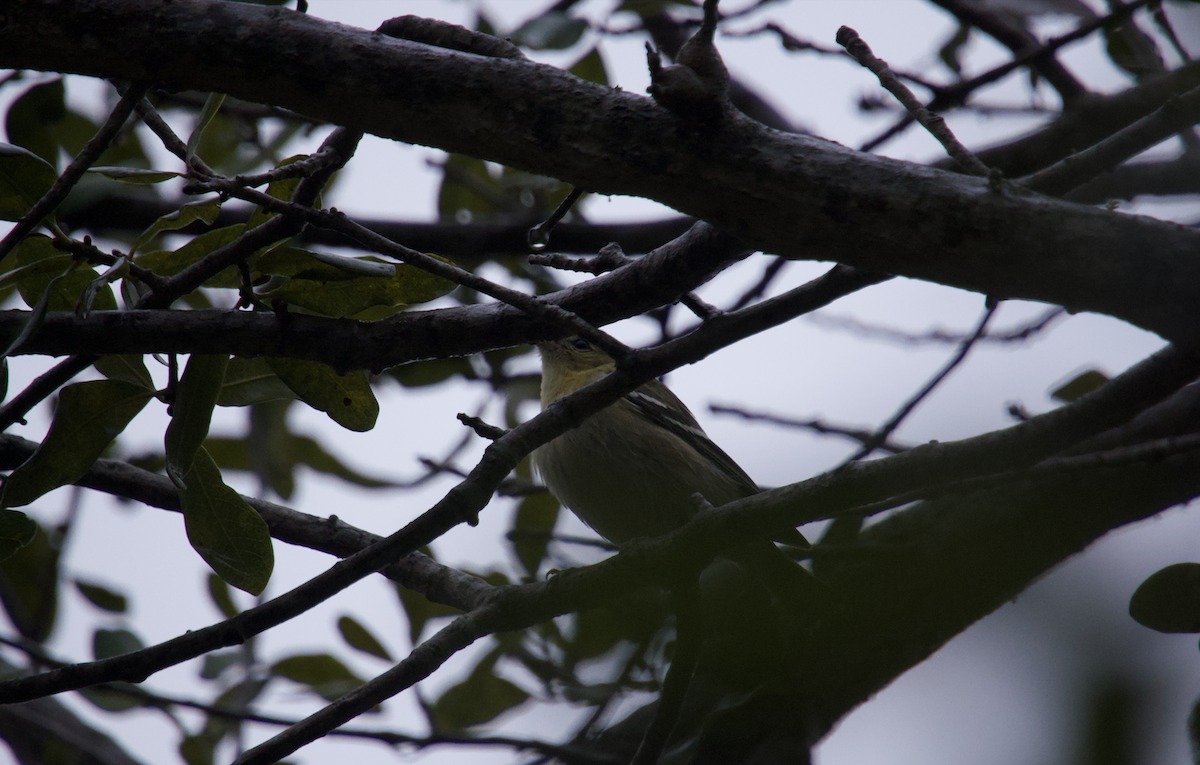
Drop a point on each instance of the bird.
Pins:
(631, 469)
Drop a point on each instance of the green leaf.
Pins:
(344, 287)
(212, 105)
(553, 30)
(135, 175)
(221, 596)
(480, 698)
(229, 535)
(29, 586)
(251, 381)
(324, 674)
(29, 119)
(217, 662)
(198, 750)
(45, 264)
(590, 68)
(282, 190)
(110, 697)
(1079, 386)
(170, 263)
(949, 52)
(109, 643)
(99, 286)
(420, 373)
(128, 367)
(347, 399)
(206, 211)
(1169, 599)
(420, 610)
(468, 189)
(357, 636)
(24, 179)
(195, 398)
(88, 417)
(38, 315)
(537, 513)
(304, 450)
(16, 531)
(101, 597)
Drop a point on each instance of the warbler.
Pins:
(631, 469)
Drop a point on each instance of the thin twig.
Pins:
(886, 431)
(60, 374)
(760, 287)
(1019, 333)
(539, 236)
(171, 142)
(1178, 113)
(85, 159)
(956, 94)
(817, 426)
(481, 428)
(934, 123)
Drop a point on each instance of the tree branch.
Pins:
(787, 194)
(656, 279)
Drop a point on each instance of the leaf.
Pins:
(590, 68)
(37, 316)
(357, 636)
(221, 596)
(343, 287)
(1079, 386)
(553, 30)
(217, 662)
(324, 674)
(212, 105)
(468, 189)
(206, 211)
(135, 175)
(1169, 599)
(128, 367)
(347, 399)
(419, 373)
(251, 381)
(101, 597)
(195, 397)
(29, 585)
(537, 513)
(420, 610)
(304, 450)
(24, 179)
(99, 286)
(282, 189)
(16, 531)
(88, 417)
(170, 263)
(109, 643)
(45, 264)
(198, 750)
(949, 52)
(110, 698)
(480, 698)
(229, 535)
(29, 117)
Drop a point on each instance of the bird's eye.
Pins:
(581, 345)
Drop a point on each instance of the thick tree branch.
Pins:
(788, 194)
